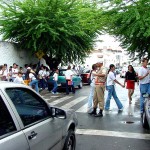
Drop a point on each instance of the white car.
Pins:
(123, 72)
(28, 122)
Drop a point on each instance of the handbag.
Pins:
(70, 82)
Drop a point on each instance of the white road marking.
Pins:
(82, 109)
(113, 133)
(74, 102)
(61, 100)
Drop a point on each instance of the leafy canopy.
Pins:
(129, 21)
(62, 29)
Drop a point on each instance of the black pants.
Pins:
(69, 86)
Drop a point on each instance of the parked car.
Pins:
(123, 72)
(86, 76)
(146, 113)
(77, 80)
(28, 122)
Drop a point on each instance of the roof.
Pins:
(6, 84)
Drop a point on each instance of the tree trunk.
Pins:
(52, 62)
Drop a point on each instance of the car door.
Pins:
(42, 131)
(11, 136)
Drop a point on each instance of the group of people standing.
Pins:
(37, 77)
(102, 79)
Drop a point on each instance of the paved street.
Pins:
(114, 130)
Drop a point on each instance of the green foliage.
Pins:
(62, 29)
(129, 21)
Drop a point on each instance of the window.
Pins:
(30, 106)
(6, 123)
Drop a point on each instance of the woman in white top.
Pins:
(33, 80)
(111, 80)
(68, 75)
(92, 77)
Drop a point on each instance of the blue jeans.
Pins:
(90, 99)
(55, 86)
(35, 84)
(112, 92)
(144, 89)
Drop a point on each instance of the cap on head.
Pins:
(28, 68)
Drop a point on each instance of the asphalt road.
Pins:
(113, 131)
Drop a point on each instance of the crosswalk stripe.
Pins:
(74, 102)
(60, 100)
(82, 109)
(113, 133)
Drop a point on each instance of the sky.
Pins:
(108, 41)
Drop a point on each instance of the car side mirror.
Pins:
(58, 113)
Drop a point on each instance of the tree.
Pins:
(64, 30)
(129, 21)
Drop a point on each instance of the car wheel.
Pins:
(144, 121)
(70, 141)
(80, 86)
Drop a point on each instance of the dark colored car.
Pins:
(77, 81)
(86, 76)
(146, 113)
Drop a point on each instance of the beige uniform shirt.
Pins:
(102, 70)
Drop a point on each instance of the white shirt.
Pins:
(31, 76)
(42, 73)
(110, 78)
(68, 74)
(18, 80)
(55, 77)
(5, 72)
(14, 70)
(142, 72)
(93, 76)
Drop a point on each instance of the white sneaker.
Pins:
(121, 109)
(52, 92)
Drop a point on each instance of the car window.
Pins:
(62, 72)
(6, 123)
(30, 106)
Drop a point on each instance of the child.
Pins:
(19, 78)
(55, 79)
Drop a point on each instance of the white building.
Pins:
(109, 52)
(11, 54)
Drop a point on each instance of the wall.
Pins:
(10, 54)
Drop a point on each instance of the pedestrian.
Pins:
(144, 81)
(99, 90)
(33, 82)
(110, 86)
(1, 72)
(14, 71)
(19, 78)
(69, 82)
(55, 79)
(130, 78)
(42, 77)
(6, 73)
(92, 87)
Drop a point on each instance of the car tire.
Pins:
(80, 86)
(144, 121)
(70, 142)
